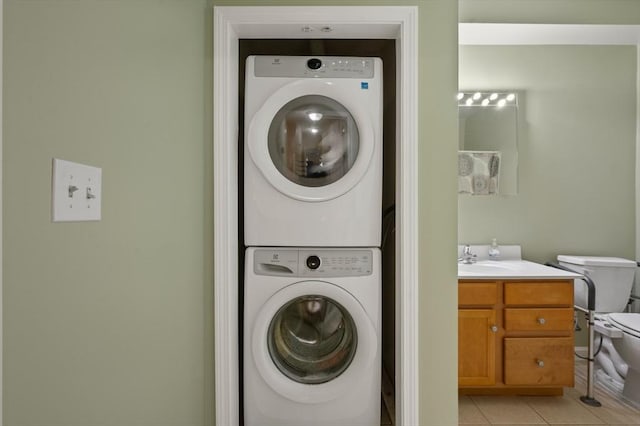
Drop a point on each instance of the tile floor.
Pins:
(548, 410)
(540, 410)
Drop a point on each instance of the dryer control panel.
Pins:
(314, 66)
(313, 262)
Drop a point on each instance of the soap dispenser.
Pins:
(494, 251)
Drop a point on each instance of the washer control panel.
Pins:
(314, 66)
(313, 262)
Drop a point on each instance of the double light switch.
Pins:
(76, 192)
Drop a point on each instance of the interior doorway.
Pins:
(233, 24)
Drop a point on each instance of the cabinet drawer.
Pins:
(539, 293)
(477, 294)
(538, 319)
(538, 361)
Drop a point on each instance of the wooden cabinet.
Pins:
(515, 337)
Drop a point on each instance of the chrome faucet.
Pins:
(467, 257)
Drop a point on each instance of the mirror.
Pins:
(488, 141)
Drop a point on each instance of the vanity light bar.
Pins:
(497, 99)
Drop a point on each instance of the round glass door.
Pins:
(312, 339)
(313, 141)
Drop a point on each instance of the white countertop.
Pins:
(511, 269)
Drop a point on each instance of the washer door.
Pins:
(311, 141)
(311, 340)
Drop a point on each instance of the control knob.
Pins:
(313, 262)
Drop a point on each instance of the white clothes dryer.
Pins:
(313, 151)
(312, 348)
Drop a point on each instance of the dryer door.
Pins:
(311, 141)
(311, 339)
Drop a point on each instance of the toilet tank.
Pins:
(612, 276)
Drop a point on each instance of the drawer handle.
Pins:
(540, 363)
(494, 328)
(541, 321)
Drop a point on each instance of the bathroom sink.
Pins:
(508, 266)
(488, 266)
(509, 269)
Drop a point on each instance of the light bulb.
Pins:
(493, 96)
(485, 102)
(469, 101)
(460, 95)
(501, 103)
(477, 96)
(511, 97)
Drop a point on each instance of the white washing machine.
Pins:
(312, 352)
(313, 151)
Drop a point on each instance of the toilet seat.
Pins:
(627, 322)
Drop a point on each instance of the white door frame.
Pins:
(1, 219)
(389, 22)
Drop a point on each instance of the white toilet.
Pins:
(619, 356)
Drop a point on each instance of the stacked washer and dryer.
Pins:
(312, 226)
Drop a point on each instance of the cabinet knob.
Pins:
(541, 321)
(494, 328)
(540, 363)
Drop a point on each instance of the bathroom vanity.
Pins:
(515, 328)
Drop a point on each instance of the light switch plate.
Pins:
(76, 192)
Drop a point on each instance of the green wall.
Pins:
(110, 323)
(104, 323)
(576, 150)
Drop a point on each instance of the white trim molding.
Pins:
(480, 33)
(1, 218)
(407, 350)
(389, 22)
(225, 202)
(636, 286)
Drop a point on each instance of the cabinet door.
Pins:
(476, 347)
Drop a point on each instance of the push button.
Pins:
(313, 262)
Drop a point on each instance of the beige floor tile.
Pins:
(504, 410)
(556, 411)
(563, 410)
(612, 412)
(468, 412)
(612, 416)
(619, 412)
